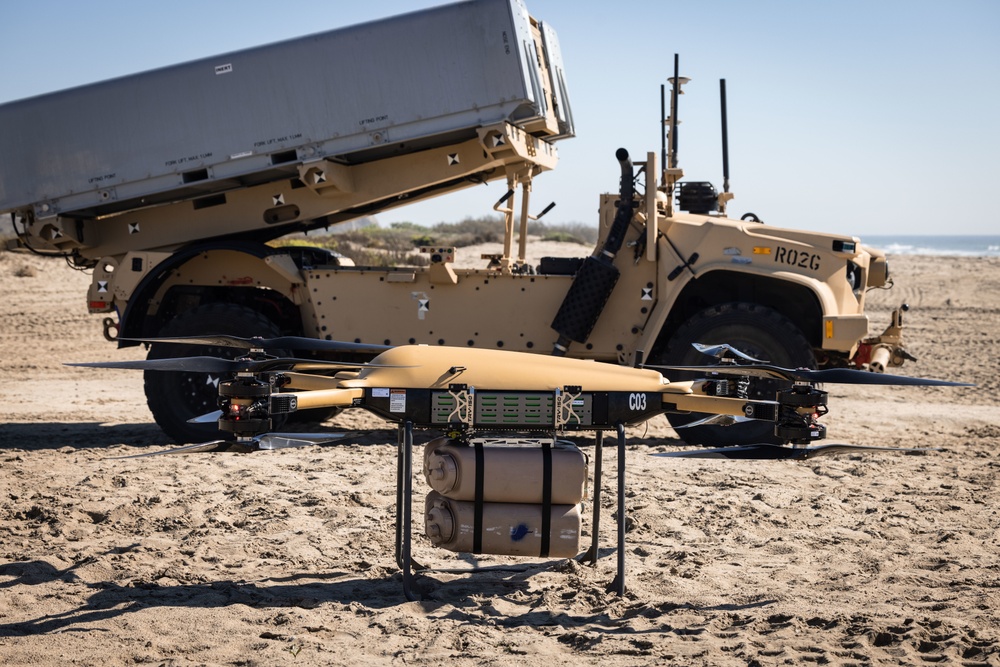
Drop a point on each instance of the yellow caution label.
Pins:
(761, 250)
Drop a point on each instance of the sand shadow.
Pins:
(460, 601)
(457, 599)
(112, 600)
(38, 436)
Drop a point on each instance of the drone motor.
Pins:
(245, 404)
(799, 409)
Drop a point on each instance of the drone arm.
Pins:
(309, 382)
(713, 405)
(327, 398)
(691, 396)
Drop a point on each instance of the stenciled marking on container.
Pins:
(519, 532)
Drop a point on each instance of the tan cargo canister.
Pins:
(512, 474)
(509, 529)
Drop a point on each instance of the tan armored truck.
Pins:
(169, 185)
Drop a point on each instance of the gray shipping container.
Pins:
(355, 94)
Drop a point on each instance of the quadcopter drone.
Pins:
(503, 481)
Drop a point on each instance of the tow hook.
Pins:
(111, 326)
(886, 350)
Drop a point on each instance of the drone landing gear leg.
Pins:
(618, 585)
(592, 553)
(404, 501)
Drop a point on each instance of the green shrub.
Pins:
(373, 245)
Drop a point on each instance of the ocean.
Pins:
(961, 246)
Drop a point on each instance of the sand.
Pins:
(286, 557)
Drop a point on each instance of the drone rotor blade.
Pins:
(181, 364)
(715, 420)
(207, 418)
(220, 340)
(219, 365)
(779, 452)
(281, 342)
(263, 442)
(286, 440)
(213, 446)
(724, 350)
(852, 376)
(755, 370)
(737, 452)
(832, 375)
(294, 364)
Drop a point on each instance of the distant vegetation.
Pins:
(399, 243)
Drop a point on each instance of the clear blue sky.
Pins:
(852, 116)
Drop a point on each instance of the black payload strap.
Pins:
(543, 551)
(477, 521)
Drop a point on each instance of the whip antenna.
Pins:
(676, 81)
(725, 137)
(663, 129)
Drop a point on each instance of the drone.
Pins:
(503, 479)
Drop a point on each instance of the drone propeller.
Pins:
(832, 375)
(715, 420)
(212, 446)
(220, 365)
(267, 441)
(207, 418)
(289, 440)
(725, 351)
(778, 452)
(281, 342)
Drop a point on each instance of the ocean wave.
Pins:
(944, 246)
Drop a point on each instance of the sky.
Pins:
(875, 117)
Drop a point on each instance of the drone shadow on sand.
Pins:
(146, 438)
(459, 600)
(38, 436)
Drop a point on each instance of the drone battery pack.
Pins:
(507, 529)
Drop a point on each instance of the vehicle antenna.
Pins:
(663, 130)
(676, 81)
(725, 137)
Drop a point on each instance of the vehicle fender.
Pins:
(269, 271)
(804, 300)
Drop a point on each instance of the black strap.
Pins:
(546, 499)
(477, 521)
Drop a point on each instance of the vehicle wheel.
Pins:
(173, 397)
(757, 330)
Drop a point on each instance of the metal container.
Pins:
(513, 471)
(356, 94)
(508, 529)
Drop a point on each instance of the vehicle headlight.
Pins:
(878, 272)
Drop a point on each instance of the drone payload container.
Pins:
(511, 473)
(518, 517)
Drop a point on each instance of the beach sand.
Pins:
(286, 557)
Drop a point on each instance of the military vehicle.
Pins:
(170, 184)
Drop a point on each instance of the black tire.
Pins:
(174, 398)
(757, 330)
